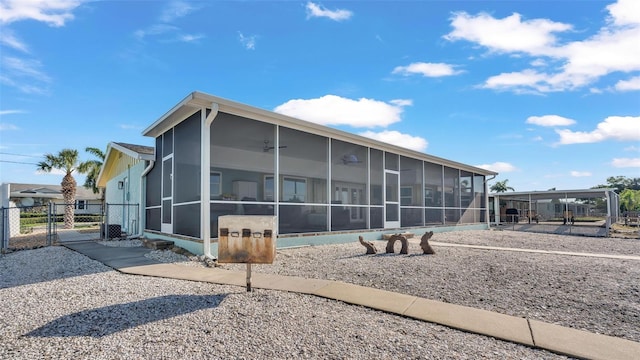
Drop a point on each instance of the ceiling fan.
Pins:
(267, 147)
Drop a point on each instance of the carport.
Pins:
(586, 211)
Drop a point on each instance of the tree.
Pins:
(67, 161)
(630, 200)
(501, 186)
(620, 183)
(92, 169)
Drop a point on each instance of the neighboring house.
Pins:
(28, 195)
(16, 198)
(121, 179)
(217, 157)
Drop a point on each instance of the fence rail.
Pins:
(27, 227)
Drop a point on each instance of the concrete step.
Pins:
(156, 244)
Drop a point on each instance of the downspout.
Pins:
(142, 203)
(486, 201)
(205, 188)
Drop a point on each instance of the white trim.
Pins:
(205, 169)
(196, 100)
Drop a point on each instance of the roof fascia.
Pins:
(197, 100)
(134, 154)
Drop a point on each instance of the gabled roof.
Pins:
(198, 100)
(113, 155)
(135, 151)
(48, 191)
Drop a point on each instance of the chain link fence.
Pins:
(29, 227)
(23, 227)
(602, 226)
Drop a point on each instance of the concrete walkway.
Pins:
(537, 334)
(553, 252)
(70, 235)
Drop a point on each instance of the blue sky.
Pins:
(547, 95)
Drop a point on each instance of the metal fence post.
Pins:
(49, 225)
(4, 239)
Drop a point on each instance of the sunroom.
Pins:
(319, 181)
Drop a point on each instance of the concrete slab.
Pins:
(115, 257)
(582, 344)
(373, 298)
(157, 270)
(288, 283)
(478, 321)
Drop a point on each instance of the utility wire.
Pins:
(18, 162)
(6, 153)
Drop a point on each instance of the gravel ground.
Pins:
(59, 304)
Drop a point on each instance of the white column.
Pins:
(205, 188)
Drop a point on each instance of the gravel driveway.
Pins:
(59, 304)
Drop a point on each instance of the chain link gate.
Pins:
(28, 227)
(87, 222)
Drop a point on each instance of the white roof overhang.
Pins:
(197, 101)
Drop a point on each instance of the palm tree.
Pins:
(67, 161)
(501, 186)
(92, 169)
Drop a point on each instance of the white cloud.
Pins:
(336, 110)
(628, 85)
(399, 139)
(510, 34)
(8, 38)
(498, 166)
(620, 128)
(426, 69)
(55, 172)
(402, 102)
(316, 10)
(523, 81)
(550, 120)
(626, 162)
(632, 148)
(26, 68)
(164, 30)
(190, 37)
(7, 126)
(52, 12)
(249, 42)
(624, 12)
(569, 65)
(580, 173)
(176, 9)
(9, 112)
(154, 30)
(25, 75)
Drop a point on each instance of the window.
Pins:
(268, 188)
(81, 204)
(406, 195)
(215, 182)
(294, 189)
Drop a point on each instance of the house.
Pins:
(218, 157)
(121, 178)
(30, 195)
(16, 198)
